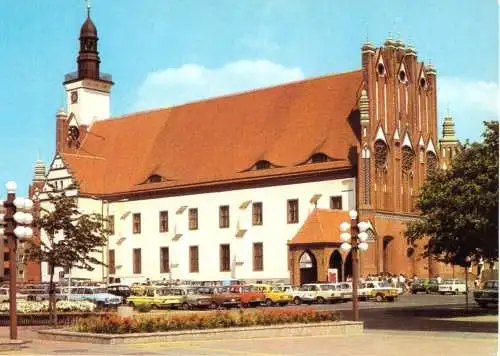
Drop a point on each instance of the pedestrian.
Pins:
(439, 279)
(476, 283)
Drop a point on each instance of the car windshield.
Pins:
(173, 291)
(491, 284)
(205, 290)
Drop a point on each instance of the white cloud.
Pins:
(191, 82)
(470, 103)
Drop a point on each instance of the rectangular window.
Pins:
(137, 261)
(257, 213)
(224, 258)
(258, 256)
(193, 219)
(111, 262)
(224, 216)
(163, 221)
(111, 224)
(193, 259)
(136, 223)
(293, 211)
(164, 260)
(336, 203)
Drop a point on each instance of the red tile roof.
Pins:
(221, 139)
(321, 226)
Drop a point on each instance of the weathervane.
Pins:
(88, 7)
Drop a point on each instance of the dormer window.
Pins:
(319, 157)
(263, 165)
(155, 178)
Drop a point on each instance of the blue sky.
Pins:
(163, 52)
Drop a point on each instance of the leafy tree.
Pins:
(459, 206)
(69, 239)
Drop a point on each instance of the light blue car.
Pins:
(97, 295)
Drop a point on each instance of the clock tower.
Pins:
(87, 91)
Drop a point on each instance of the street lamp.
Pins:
(467, 264)
(15, 220)
(353, 236)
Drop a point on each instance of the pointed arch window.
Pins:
(431, 162)
(381, 153)
(407, 158)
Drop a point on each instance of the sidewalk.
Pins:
(371, 343)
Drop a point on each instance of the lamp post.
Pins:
(353, 236)
(14, 219)
(467, 263)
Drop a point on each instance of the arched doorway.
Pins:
(348, 266)
(387, 241)
(336, 262)
(308, 268)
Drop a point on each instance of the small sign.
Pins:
(333, 275)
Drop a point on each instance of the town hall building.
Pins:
(254, 185)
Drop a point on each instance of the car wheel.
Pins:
(320, 300)
(297, 301)
(185, 306)
(132, 305)
(214, 305)
(427, 291)
(269, 302)
(379, 297)
(456, 291)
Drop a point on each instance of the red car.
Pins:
(249, 295)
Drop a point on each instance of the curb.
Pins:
(313, 329)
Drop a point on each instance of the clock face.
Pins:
(74, 97)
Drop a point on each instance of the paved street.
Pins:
(414, 325)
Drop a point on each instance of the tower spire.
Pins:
(88, 58)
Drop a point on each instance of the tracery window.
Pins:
(431, 162)
(407, 158)
(381, 152)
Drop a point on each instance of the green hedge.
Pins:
(201, 320)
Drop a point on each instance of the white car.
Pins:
(454, 286)
(317, 293)
(345, 289)
(377, 289)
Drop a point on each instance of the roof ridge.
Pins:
(81, 156)
(233, 94)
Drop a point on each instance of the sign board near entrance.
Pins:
(333, 275)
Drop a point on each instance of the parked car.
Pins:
(454, 286)
(121, 290)
(35, 294)
(425, 286)
(4, 295)
(380, 291)
(97, 295)
(156, 297)
(249, 295)
(273, 294)
(488, 294)
(318, 293)
(191, 298)
(220, 298)
(346, 290)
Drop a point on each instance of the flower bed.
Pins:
(24, 307)
(111, 324)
